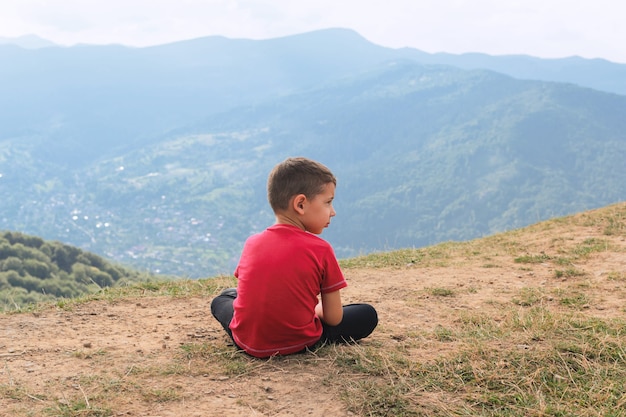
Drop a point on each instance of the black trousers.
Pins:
(359, 320)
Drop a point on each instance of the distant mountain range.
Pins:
(27, 41)
(157, 157)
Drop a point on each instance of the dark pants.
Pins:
(359, 320)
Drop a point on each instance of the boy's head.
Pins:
(296, 176)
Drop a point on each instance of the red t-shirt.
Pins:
(281, 272)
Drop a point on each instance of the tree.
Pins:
(36, 268)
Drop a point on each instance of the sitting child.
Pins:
(275, 308)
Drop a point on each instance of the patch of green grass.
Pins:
(233, 362)
(536, 321)
(576, 300)
(78, 408)
(589, 246)
(399, 258)
(569, 273)
(437, 255)
(367, 360)
(161, 395)
(532, 259)
(440, 292)
(617, 276)
(444, 334)
(616, 224)
(478, 327)
(12, 391)
(369, 397)
(528, 296)
(165, 288)
(563, 261)
(8, 304)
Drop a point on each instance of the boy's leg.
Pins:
(222, 308)
(359, 321)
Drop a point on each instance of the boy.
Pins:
(275, 309)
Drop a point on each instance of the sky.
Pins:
(541, 28)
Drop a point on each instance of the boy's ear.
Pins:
(298, 203)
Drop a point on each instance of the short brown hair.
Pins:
(296, 176)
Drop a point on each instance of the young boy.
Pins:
(275, 308)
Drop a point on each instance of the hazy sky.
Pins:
(543, 28)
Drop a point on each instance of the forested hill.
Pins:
(157, 157)
(33, 270)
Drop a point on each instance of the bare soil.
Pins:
(126, 355)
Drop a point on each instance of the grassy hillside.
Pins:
(524, 323)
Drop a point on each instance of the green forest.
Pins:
(33, 270)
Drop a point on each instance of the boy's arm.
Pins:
(330, 310)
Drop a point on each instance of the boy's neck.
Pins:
(289, 219)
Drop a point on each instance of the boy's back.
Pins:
(280, 274)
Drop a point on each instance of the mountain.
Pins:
(598, 74)
(27, 42)
(157, 157)
(121, 95)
